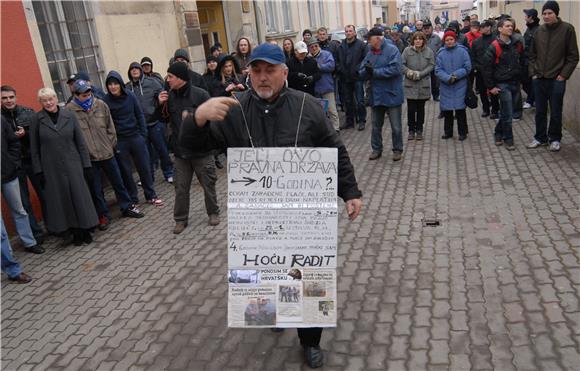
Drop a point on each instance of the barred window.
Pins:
(67, 31)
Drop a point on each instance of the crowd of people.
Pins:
(250, 99)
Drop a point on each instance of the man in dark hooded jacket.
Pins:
(131, 138)
(147, 89)
(532, 24)
(147, 65)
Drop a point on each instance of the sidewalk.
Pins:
(495, 286)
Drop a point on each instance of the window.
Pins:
(311, 12)
(271, 16)
(69, 42)
(321, 12)
(287, 15)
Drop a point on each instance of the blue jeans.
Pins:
(11, 193)
(9, 265)
(549, 91)
(157, 142)
(353, 101)
(134, 150)
(508, 99)
(24, 174)
(378, 119)
(111, 170)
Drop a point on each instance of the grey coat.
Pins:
(424, 62)
(59, 152)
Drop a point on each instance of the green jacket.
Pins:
(554, 51)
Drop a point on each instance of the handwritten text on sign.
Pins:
(282, 209)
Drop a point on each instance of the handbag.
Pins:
(470, 97)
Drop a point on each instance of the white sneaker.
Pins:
(170, 180)
(515, 120)
(527, 106)
(536, 144)
(555, 146)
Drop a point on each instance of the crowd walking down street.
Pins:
(457, 251)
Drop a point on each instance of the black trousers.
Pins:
(416, 115)
(461, 122)
(310, 337)
(487, 100)
(434, 85)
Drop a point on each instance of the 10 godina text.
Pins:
(298, 260)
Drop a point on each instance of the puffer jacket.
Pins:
(326, 67)
(554, 51)
(422, 61)
(508, 68)
(98, 129)
(275, 124)
(456, 61)
(387, 78)
(146, 89)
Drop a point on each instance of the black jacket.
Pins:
(308, 67)
(212, 82)
(10, 153)
(509, 66)
(478, 49)
(332, 47)
(188, 98)
(274, 125)
(350, 56)
(529, 37)
(21, 116)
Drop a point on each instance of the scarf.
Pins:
(86, 105)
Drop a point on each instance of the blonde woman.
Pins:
(60, 158)
(418, 62)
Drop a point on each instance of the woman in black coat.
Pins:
(60, 158)
(229, 76)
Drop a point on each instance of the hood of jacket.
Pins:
(114, 75)
(135, 65)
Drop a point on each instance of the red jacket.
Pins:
(472, 36)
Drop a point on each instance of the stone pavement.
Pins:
(494, 287)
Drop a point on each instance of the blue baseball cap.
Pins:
(268, 53)
(81, 87)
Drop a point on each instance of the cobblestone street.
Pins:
(494, 287)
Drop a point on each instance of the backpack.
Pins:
(499, 50)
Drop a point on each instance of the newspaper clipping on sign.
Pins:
(282, 237)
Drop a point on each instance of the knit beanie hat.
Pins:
(553, 6)
(180, 70)
(449, 33)
(181, 53)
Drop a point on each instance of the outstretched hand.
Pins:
(214, 109)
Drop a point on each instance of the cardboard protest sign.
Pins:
(282, 237)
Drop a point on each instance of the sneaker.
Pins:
(411, 136)
(21, 278)
(397, 156)
(516, 119)
(375, 155)
(498, 141)
(485, 114)
(103, 223)
(536, 144)
(155, 201)
(139, 184)
(527, 106)
(419, 136)
(214, 220)
(133, 212)
(179, 227)
(170, 180)
(462, 138)
(494, 116)
(510, 146)
(555, 146)
(35, 249)
(361, 126)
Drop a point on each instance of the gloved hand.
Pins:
(301, 75)
(453, 79)
(409, 74)
(416, 76)
(369, 68)
(309, 80)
